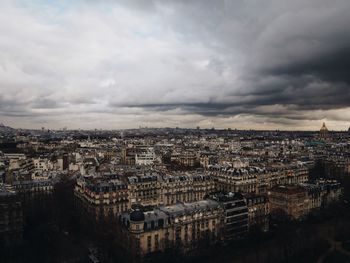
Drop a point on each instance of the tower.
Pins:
(137, 219)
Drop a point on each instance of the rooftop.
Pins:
(6, 191)
(290, 189)
(189, 208)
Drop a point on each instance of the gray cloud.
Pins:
(186, 62)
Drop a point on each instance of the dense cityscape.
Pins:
(148, 194)
(174, 131)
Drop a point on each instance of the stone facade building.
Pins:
(182, 225)
(102, 198)
(256, 179)
(293, 200)
(258, 211)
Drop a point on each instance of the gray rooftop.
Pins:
(188, 208)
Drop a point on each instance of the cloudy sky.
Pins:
(269, 64)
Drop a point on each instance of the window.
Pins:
(178, 234)
(156, 242)
(149, 243)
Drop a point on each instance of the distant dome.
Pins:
(324, 131)
(137, 215)
(324, 128)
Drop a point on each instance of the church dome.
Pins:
(137, 216)
(324, 128)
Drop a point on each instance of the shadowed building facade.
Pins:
(293, 200)
(11, 216)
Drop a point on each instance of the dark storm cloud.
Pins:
(329, 67)
(280, 61)
(308, 52)
(294, 53)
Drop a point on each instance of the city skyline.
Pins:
(168, 127)
(222, 64)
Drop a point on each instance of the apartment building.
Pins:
(102, 197)
(182, 225)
